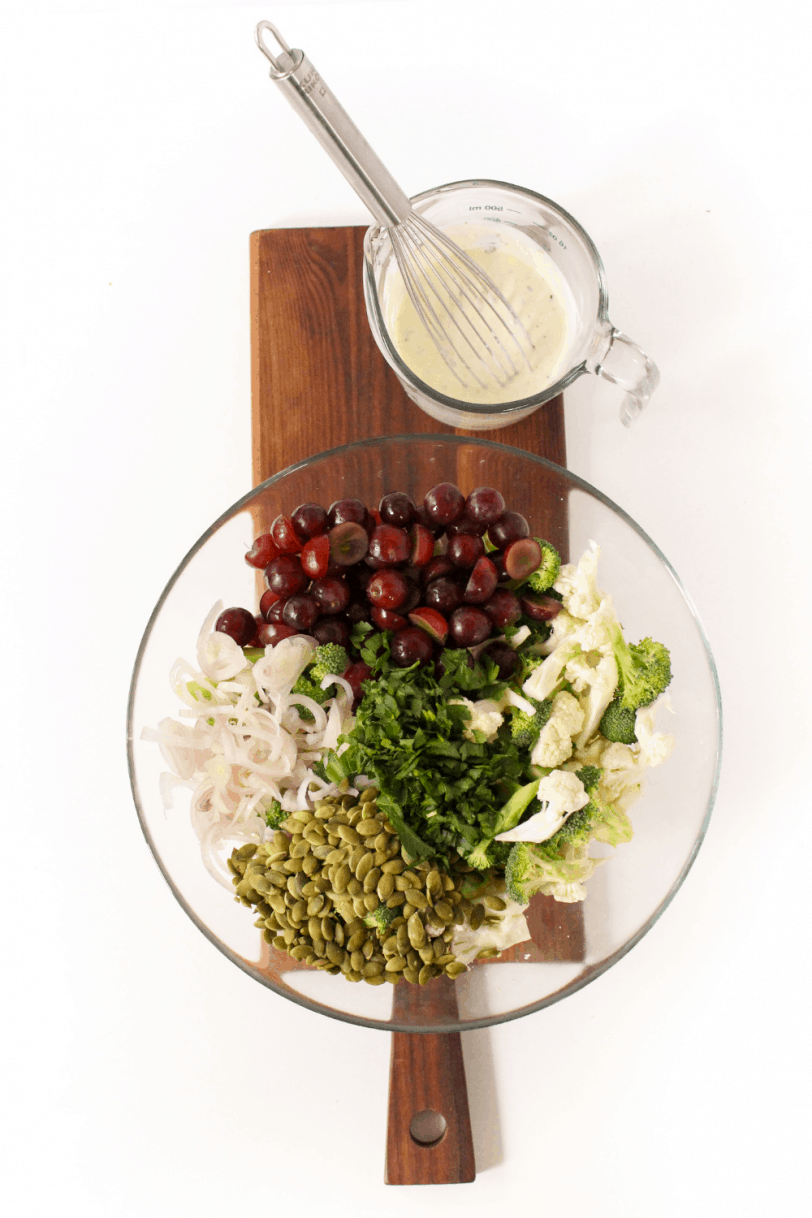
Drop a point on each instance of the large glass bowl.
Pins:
(572, 944)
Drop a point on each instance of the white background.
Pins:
(141, 145)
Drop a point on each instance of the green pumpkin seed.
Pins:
(315, 905)
(279, 943)
(368, 949)
(395, 964)
(371, 879)
(413, 960)
(364, 866)
(348, 834)
(494, 903)
(372, 969)
(371, 901)
(415, 897)
(355, 888)
(359, 907)
(416, 931)
(393, 867)
(298, 911)
(368, 828)
(342, 878)
(396, 900)
(356, 939)
(444, 911)
(407, 909)
(477, 916)
(445, 959)
(292, 865)
(334, 953)
(455, 969)
(327, 929)
(426, 973)
(247, 851)
(385, 887)
(314, 928)
(410, 975)
(368, 793)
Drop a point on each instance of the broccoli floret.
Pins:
(644, 670)
(590, 776)
(521, 873)
(274, 815)
(479, 858)
(617, 723)
(525, 728)
(380, 918)
(330, 660)
(546, 573)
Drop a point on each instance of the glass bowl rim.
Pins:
(590, 974)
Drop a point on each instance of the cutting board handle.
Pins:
(428, 1138)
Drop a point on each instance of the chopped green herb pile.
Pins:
(439, 790)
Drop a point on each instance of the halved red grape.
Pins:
(284, 576)
(440, 565)
(432, 622)
(330, 594)
(348, 543)
(443, 594)
(387, 589)
(266, 601)
(262, 551)
(315, 556)
(541, 608)
(332, 630)
(346, 511)
(273, 633)
(522, 557)
(300, 612)
(485, 505)
(469, 626)
(464, 525)
(422, 541)
(411, 646)
(238, 624)
(482, 584)
(390, 545)
(259, 621)
(444, 503)
(355, 676)
(284, 535)
(509, 527)
(464, 550)
(309, 520)
(274, 614)
(503, 608)
(422, 517)
(387, 619)
(504, 656)
(398, 509)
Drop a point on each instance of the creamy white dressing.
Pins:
(530, 282)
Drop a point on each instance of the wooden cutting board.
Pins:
(319, 381)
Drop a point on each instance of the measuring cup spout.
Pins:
(617, 359)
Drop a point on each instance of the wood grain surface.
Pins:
(319, 381)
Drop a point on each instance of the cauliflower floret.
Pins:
(563, 624)
(554, 744)
(559, 793)
(577, 584)
(623, 775)
(512, 928)
(655, 746)
(486, 717)
(600, 693)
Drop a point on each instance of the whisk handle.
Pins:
(316, 105)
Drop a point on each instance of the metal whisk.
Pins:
(470, 322)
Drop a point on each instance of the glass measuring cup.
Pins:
(592, 343)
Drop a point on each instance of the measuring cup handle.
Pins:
(617, 359)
